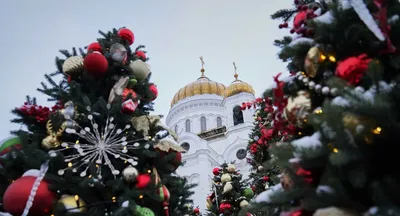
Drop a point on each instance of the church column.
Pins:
(204, 169)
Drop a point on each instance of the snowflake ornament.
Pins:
(100, 146)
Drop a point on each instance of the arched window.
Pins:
(203, 123)
(187, 124)
(176, 128)
(219, 122)
(237, 115)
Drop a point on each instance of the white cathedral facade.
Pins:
(207, 118)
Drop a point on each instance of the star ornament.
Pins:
(99, 147)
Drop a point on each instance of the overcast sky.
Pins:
(175, 32)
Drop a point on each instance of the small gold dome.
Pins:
(237, 87)
(203, 85)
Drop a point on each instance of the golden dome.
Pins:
(203, 85)
(238, 86)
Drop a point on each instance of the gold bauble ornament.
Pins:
(356, 124)
(312, 61)
(226, 177)
(231, 168)
(51, 141)
(73, 203)
(298, 108)
(208, 205)
(73, 65)
(243, 204)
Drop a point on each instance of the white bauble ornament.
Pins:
(31, 172)
(226, 177)
(73, 65)
(231, 168)
(227, 188)
(118, 52)
(243, 204)
(260, 168)
(139, 69)
(130, 173)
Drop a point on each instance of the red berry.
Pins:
(315, 8)
(299, 7)
(285, 25)
(280, 26)
(296, 2)
(292, 31)
(304, 7)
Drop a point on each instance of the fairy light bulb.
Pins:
(377, 130)
(332, 58)
(76, 197)
(335, 150)
(140, 196)
(77, 142)
(149, 171)
(69, 164)
(114, 199)
(322, 57)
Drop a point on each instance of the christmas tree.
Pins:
(230, 193)
(97, 151)
(342, 101)
(263, 169)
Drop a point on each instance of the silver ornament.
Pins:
(118, 52)
(130, 173)
(139, 69)
(73, 65)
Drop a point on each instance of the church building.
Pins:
(207, 117)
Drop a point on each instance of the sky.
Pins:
(175, 33)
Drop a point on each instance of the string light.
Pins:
(77, 142)
(140, 196)
(322, 57)
(77, 201)
(69, 164)
(149, 171)
(377, 130)
(335, 150)
(332, 58)
(114, 199)
(318, 111)
(299, 133)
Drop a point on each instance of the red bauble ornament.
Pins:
(128, 92)
(196, 210)
(299, 19)
(353, 69)
(127, 35)
(216, 171)
(95, 63)
(224, 207)
(16, 196)
(244, 106)
(154, 90)
(143, 181)
(94, 47)
(265, 178)
(141, 55)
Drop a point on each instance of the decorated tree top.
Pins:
(96, 151)
(229, 193)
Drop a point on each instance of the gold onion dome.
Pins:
(238, 86)
(203, 85)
